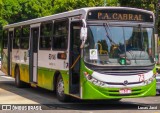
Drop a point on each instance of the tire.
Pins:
(117, 100)
(114, 100)
(18, 82)
(60, 90)
(157, 92)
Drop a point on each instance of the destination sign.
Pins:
(120, 15)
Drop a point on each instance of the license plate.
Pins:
(125, 91)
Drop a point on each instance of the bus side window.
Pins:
(5, 39)
(45, 36)
(60, 35)
(16, 39)
(25, 37)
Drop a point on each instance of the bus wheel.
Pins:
(60, 90)
(18, 82)
(116, 100)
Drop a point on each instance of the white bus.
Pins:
(88, 53)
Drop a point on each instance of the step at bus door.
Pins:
(33, 59)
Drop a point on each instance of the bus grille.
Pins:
(122, 72)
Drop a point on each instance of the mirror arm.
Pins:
(82, 45)
(84, 26)
(84, 23)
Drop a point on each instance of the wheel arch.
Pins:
(55, 77)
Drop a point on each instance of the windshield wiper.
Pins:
(107, 34)
(106, 26)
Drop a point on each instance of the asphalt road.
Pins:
(11, 95)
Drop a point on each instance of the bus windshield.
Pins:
(114, 45)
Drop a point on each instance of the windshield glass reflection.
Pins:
(131, 46)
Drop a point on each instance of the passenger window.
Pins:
(25, 37)
(5, 39)
(45, 37)
(60, 35)
(16, 39)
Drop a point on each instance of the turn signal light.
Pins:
(61, 56)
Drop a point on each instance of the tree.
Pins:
(35, 8)
(66, 5)
(10, 10)
(20, 10)
(143, 4)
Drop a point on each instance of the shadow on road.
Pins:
(95, 105)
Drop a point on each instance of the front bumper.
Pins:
(91, 91)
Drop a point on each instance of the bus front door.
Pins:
(75, 58)
(33, 60)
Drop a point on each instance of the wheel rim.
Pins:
(60, 87)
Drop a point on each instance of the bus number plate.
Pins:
(125, 91)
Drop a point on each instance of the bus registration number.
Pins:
(125, 91)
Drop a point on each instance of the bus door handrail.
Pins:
(75, 61)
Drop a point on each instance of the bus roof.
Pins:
(82, 11)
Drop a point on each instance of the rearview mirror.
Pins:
(83, 34)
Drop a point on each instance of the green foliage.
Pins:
(10, 10)
(112, 3)
(20, 10)
(143, 4)
(66, 5)
(2, 22)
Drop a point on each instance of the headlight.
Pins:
(146, 82)
(93, 80)
(89, 77)
(150, 79)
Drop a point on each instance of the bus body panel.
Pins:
(48, 64)
(24, 72)
(49, 59)
(45, 78)
(20, 59)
